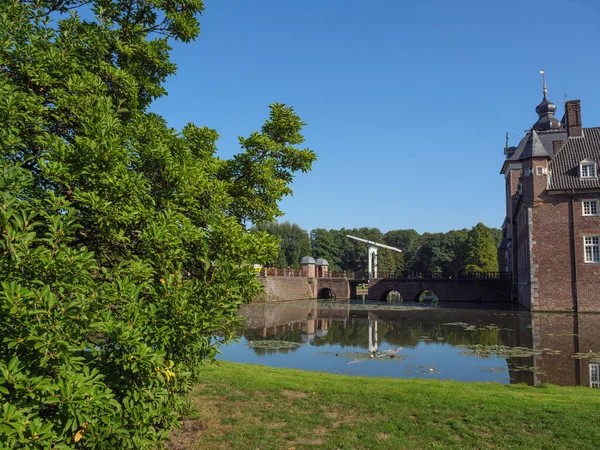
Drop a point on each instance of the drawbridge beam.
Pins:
(372, 253)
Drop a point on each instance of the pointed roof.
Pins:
(516, 156)
(534, 147)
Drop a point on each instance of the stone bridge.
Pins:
(284, 288)
(446, 289)
(333, 288)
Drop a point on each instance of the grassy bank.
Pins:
(255, 407)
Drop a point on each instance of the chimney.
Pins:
(556, 145)
(573, 113)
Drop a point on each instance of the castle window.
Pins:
(591, 251)
(590, 207)
(587, 169)
(595, 375)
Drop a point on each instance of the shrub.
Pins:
(124, 253)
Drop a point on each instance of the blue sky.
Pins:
(406, 103)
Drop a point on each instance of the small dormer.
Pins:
(588, 169)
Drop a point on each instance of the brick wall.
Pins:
(339, 286)
(587, 274)
(301, 288)
(286, 288)
(551, 253)
(548, 246)
(563, 280)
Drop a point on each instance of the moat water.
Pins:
(415, 341)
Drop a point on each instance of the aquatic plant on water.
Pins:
(274, 345)
(502, 351)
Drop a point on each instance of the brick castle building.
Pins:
(551, 234)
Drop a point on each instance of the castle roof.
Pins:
(540, 143)
(308, 260)
(546, 119)
(535, 144)
(564, 167)
(516, 156)
(534, 147)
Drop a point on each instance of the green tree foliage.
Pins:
(123, 244)
(326, 244)
(294, 243)
(482, 253)
(497, 234)
(458, 243)
(436, 253)
(429, 252)
(409, 242)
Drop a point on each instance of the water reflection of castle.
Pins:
(301, 320)
(560, 338)
(557, 338)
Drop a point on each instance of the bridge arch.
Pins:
(326, 293)
(427, 296)
(392, 296)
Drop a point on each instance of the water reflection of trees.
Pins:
(565, 334)
(289, 333)
(355, 333)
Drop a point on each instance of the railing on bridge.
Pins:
(274, 272)
(446, 275)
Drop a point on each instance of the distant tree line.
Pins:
(465, 250)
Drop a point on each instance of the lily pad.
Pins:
(493, 369)
(502, 351)
(275, 345)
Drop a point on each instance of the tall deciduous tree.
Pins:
(326, 244)
(294, 243)
(482, 253)
(409, 242)
(123, 248)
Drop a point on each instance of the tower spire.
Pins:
(545, 111)
(544, 90)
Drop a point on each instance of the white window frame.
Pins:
(587, 169)
(595, 375)
(594, 207)
(591, 243)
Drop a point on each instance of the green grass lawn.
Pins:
(243, 406)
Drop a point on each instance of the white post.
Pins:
(375, 337)
(372, 253)
(373, 344)
(375, 268)
(370, 335)
(372, 261)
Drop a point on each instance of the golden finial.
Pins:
(543, 72)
